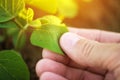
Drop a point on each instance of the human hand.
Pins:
(95, 57)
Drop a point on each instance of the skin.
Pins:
(90, 55)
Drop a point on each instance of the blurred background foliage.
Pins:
(97, 14)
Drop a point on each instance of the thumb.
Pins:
(91, 53)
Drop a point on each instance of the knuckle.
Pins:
(87, 48)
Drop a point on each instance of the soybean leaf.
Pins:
(35, 23)
(48, 37)
(24, 17)
(26, 14)
(12, 66)
(8, 24)
(10, 8)
(12, 31)
(50, 19)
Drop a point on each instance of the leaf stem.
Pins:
(19, 24)
(18, 41)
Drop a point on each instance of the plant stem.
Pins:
(18, 42)
(20, 34)
(19, 24)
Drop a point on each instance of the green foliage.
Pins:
(10, 8)
(12, 66)
(8, 24)
(19, 39)
(24, 18)
(35, 23)
(47, 30)
(48, 37)
(50, 19)
(48, 34)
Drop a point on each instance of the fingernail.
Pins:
(68, 40)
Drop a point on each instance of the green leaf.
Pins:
(50, 19)
(27, 14)
(48, 37)
(12, 31)
(12, 66)
(8, 24)
(10, 8)
(35, 23)
(24, 17)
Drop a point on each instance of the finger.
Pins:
(91, 53)
(60, 58)
(91, 76)
(47, 65)
(96, 70)
(51, 76)
(47, 54)
(109, 76)
(97, 35)
(86, 76)
(68, 62)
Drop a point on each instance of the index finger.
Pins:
(97, 35)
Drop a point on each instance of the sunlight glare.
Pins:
(87, 1)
